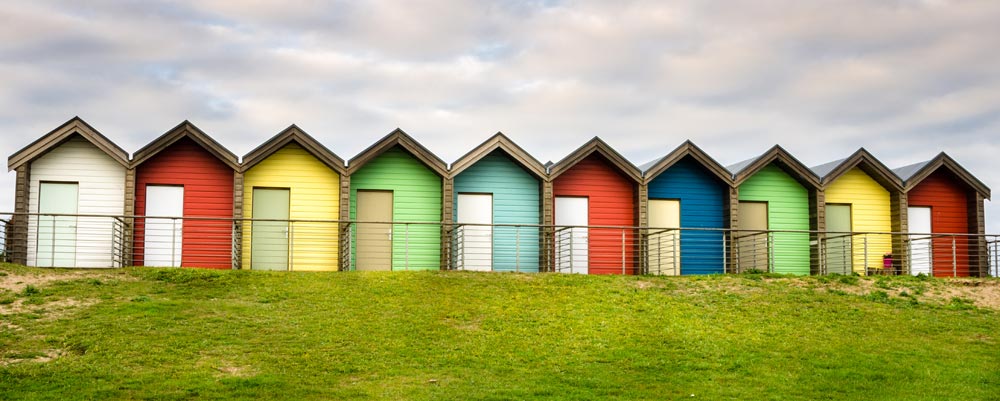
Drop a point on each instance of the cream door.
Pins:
(374, 230)
(664, 244)
(752, 250)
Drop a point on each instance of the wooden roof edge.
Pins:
(862, 158)
(778, 154)
(596, 144)
(498, 141)
(293, 134)
(401, 138)
(688, 148)
(55, 137)
(188, 130)
(945, 160)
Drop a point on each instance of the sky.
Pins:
(903, 79)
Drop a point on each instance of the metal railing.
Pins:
(78, 240)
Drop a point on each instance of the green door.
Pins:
(838, 239)
(56, 235)
(269, 239)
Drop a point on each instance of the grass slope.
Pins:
(181, 334)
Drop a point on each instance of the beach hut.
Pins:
(291, 199)
(944, 198)
(497, 183)
(774, 199)
(73, 170)
(594, 186)
(184, 173)
(860, 199)
(686, 189)
(398, 200)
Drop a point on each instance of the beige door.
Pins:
(374, 238)
(664, 244)
(752, 246)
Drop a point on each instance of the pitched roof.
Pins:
(400, 138)
(185, 130)
(499, 141)
(743, 170)
(867, 163)
(687, 149)
(915, 173)
(300, 137)
(595, 145)
(63, 133)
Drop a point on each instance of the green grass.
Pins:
(183, 334)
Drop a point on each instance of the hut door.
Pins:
(162, 245)
(753, 251)
(571, 242)
(475, 242)
(664, 244)
(374, 239)
(269, 239)
(919, 223)
(838, 239)
(56, 235)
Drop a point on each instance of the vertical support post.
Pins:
(291, 245)
(173, 242)
(406, 246)
(954, 258)
(239, 225)
(623, 251)
(865, 266)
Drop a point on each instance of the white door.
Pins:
(475, 242)
(56, 241)
(163, 236)
(571, 242)
(919, 221)
(664, 245)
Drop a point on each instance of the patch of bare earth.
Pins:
(982, 293)
(46, 355)
(52, 309)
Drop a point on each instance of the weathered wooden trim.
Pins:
(75, 126)
(402, 139)
(185, 130)
(943, 160)
(447, 211)
(238, 217)
(899, 220)
(785, 161)
(548, 221)
(686, 149)
(19, 223)
(870, 165)
(344, 258)
(129, 232)
(817, 223)
(977, 245)
(502, 142)
(300, 137)
(596, 145)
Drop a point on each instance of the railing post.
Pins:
(291, 245)
(173, 241)
(865, 266)
(954, 258)
(674, 239)
(406, 246)
(770, 252)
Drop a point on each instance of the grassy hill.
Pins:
(181, 334)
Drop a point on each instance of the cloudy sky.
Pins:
(904, 79)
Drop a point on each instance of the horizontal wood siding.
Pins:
(208, 192)
(870, 212)
(948, 200)
(702, 198)
(612, 203)
(788, 209)
(416, 197)
(313, 190)
(101, 191)
(516, 200)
